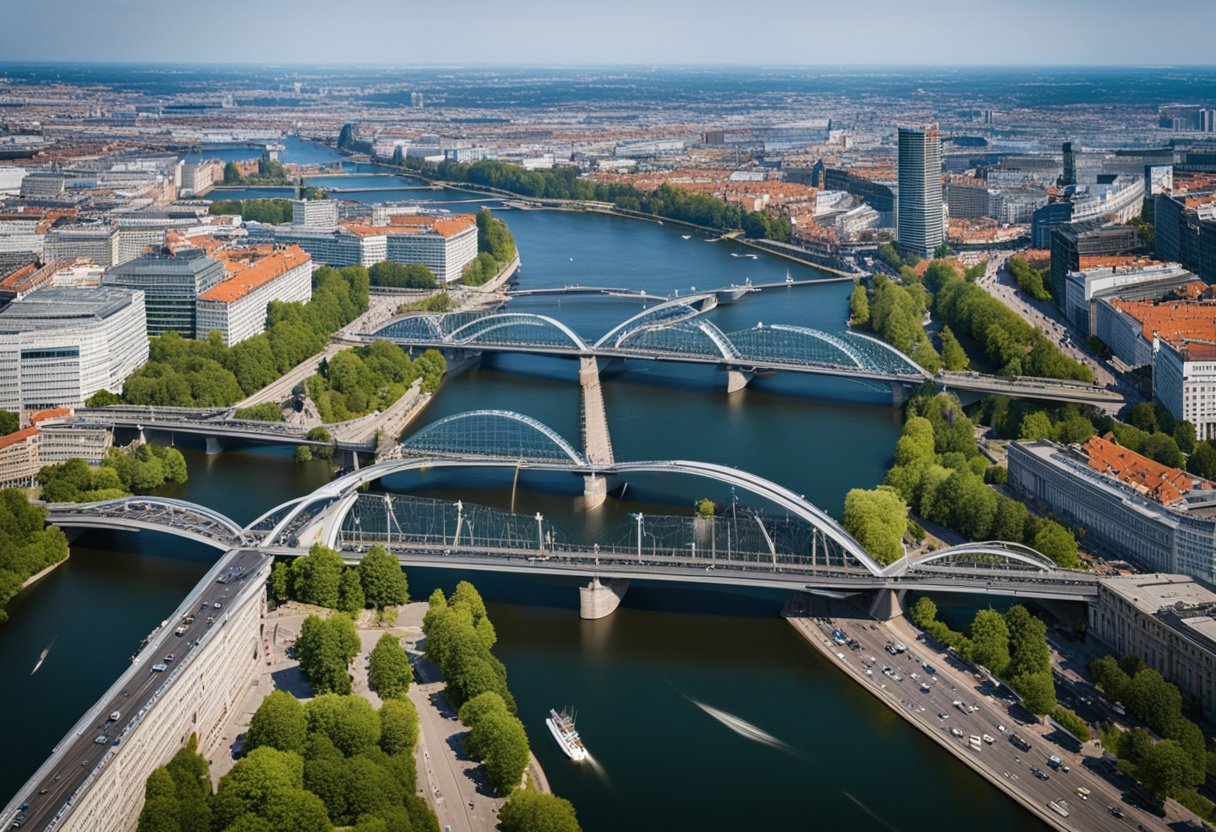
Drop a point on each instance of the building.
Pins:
(98, 242)
(1185, 226)
(59, 346)
(1069, 243)
(132, 242)
(171, 283)
(40, 184)
(922, 226)
(236, 308)
(1169, 621)
(967, 198)
(874, 193)
(1114, 199)
(61, 439)
(319, 214)
(19, 462)
(198, 177)
(336, 247)
(1130, 506)
(1116, 277)
(1184, 379)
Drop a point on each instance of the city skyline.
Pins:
(544, 32)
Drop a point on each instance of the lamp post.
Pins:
(456, 535)
(638, 517)
(540, 532)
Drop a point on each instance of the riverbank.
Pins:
(941, 702)
(38, 576)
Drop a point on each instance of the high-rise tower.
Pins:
(921, 224)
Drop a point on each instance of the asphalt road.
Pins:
(83, 752)
(985, 709)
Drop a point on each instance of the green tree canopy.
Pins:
(878, 520)
(398, 726)
(350, 722)
(530, 811)
(389, 671)
(384, 584)
(279, 722)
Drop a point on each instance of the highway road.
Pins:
(83, 751)
(928, 700)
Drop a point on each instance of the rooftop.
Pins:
(1153, 593)
(254, 267)
(57, 306)
(1148, 477)
(1176, 321)
(18, 436)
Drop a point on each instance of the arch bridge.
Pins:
(159, 514)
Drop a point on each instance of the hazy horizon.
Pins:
(787, 33)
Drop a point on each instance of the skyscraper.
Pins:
(921, 225)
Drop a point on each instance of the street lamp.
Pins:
(638, 517)
(456, 534)
(540, 532)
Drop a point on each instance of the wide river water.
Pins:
(661, 762)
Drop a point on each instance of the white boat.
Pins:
(46, 652)
(561, 725)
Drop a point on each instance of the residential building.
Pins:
(97, 242)
(1185, 226)
(319, 214)
(171, 283)
(1130, 506)
(920, 219)
(1184, 380)
(1169, 621)
(40, 184)
(336, 247)
(236, 308)
(966, 197)
(19, 463)
(60, 345)
(132, 242)
(1069, 243)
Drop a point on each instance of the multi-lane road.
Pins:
(928, 698)
(83, 751)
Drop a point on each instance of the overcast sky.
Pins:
(806, 32)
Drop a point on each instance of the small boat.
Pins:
(735, 254)
(561, 725)
(45, 652)
(753, 256)
(686, 236)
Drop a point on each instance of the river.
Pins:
(661, 762)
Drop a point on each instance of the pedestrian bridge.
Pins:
(673, 331)
(158, 514)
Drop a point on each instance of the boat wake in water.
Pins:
(745, 729)
(598, 768)
(46, 651)
(869, 811)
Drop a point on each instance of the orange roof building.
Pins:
(236, 307)
(1148, 477)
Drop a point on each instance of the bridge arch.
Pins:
(469, 333)
(999, 549)
(676, 309)
(883, 348)
(158, 514)
(800, 344)
(414, 325)
(685, 337)
(492, 434)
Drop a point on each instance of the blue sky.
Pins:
(802, 32)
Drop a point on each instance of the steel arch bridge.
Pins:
(159, 514)
(491, 434)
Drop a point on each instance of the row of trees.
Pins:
(402, 276)
(566, 183)
(495, 249)
(497, 738)
(335, 762)
(360, 380)
(264, 412)
(188, 373)
(27, 544)
(440, 302)
(1032, 281)
(122, 473)
(268, 211)
(1012, 646)
(1178, 761)
(940, 474)
(897, 315)
(459, 637)
(322, 579)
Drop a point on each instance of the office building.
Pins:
(1069, 176)
(319, 214)
(336, 247)
(1185, 226)
(1116, 199)
(41, 184)
(1131, 278)
(966, 198)
(1130, 506)
(920, 219)
(97, 242)
(1169, 621)
(1184, 380)
(236, 308)
(171, 283)
(1071, 242)
(59, 346)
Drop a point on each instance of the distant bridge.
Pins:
(670, 331)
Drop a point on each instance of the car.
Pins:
(943, 716)
(159, 668)
(929, 668)
(169, 657)
(956, 733)
(1115, 811)
(988, 738)
(924, 687)
(102, 740)
(216, 605)
(1039, 773)
(1001, 728)
(115, 716)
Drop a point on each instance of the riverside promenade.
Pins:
(979, 730)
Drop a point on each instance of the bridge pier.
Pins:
(888, 604)
(214, 446)
(897, 394)
(736, 380)
(599, 599)
(595, 490)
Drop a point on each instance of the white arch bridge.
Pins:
(672, 331)
(768, 536)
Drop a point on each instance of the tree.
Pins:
(1164, 768)
(943, 251)
(1142, 415)
(325, 649)
(317, 577)
(279, 722)
(859, 306)
(530, 811)
(1202, 462)
(350, 722)
(1162, 448)
(1036, 425)
(878, 519)
(1038, 691)
(1155, 701)
(954, 357)
(990, 641)
(1057, 543)
(479, 706)
(921, 613)
(502, 744)
(398, 726)
(280, 581)
(384, 583)
(232, 174)
(1113, 680)
(1028, 651)
(389, 670)
(350, 592)
(9, 422)
(254, 781)
(1185, 436)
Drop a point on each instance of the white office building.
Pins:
(321, 214)
(1184, 380)
(61, 345)
(236, 308)
(921, 217)
(98, 243)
